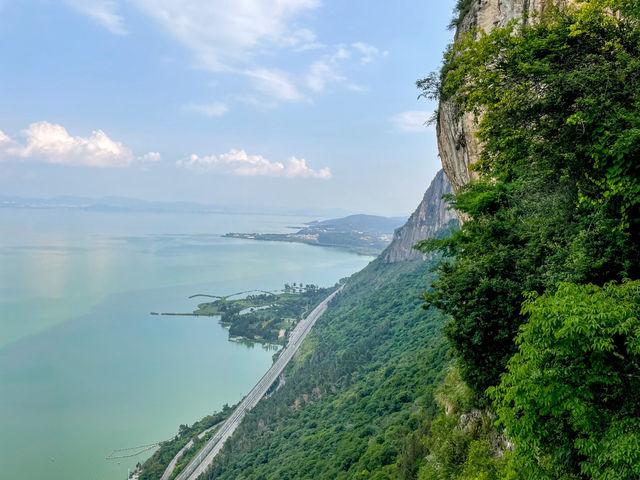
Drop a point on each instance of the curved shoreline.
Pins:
(201, 462)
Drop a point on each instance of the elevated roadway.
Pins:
(199, 464)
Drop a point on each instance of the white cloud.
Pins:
(238, 162)
(341, 54)
(224, 35)
(4, 140)
(327, 70)
(50, 143)
(151, 157)
(368, 52)
(276, 84)
(239, 37)
(310, 46)
(354, 87)
(411, 121)
(103, 12)
(320, 74)
(302, 39)
(297, 167)
(214, 109)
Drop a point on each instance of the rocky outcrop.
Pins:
(457, 142)
(431, 215)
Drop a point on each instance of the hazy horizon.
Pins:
(292, 104)
(140, 205)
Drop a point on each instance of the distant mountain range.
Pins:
(125, 204)
(363, 234)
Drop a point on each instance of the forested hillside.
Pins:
(541, 282)
(536, 296)
(362, 383)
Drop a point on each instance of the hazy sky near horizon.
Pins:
(301, 103)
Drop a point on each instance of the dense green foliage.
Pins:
(266, 317)
(555, 213)
(460, 442)
(571, 395)
(361, 384)
(154, 467)
(557, 198)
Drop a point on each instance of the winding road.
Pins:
(201, 462)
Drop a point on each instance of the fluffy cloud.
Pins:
(275, 84)
(224, 35)
(214, 109)
(368, 52)
(5, 141)
(411, 121)
(50, 143)
(235, 37)
(151, 157)
(325, 71)
(297, 167)
(238, 162)
(103, 12)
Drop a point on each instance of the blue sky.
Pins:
(299, 103)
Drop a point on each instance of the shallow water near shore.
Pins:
(85, 369)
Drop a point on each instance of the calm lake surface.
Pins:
(84, 368)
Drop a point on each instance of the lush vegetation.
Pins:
(266, 317)
(542, 311)
(361, 384)
(536, 291)
(460, 442)
(571, 396)
(154, 467)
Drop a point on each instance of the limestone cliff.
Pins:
(457, 143)
(430, 216)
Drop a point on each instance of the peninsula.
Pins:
(361, 234)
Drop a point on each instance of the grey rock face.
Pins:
(457, 143)
(431, 215)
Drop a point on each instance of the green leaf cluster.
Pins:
(542, 312)
(570, 398)
(558, 109)
(359, 388)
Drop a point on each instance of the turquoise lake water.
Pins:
(84, 368)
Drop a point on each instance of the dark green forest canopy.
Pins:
(360, 385)
(544, 312)
(559, 189)
(570, 398)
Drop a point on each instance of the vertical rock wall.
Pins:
(431, 215)
(457, 142)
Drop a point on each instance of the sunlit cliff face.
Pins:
(457, 143)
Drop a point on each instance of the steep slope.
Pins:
(537, 261)
(431, 216)
(457, 142)
(365, 378)
(361, 383)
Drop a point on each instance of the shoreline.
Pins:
(226, 326)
